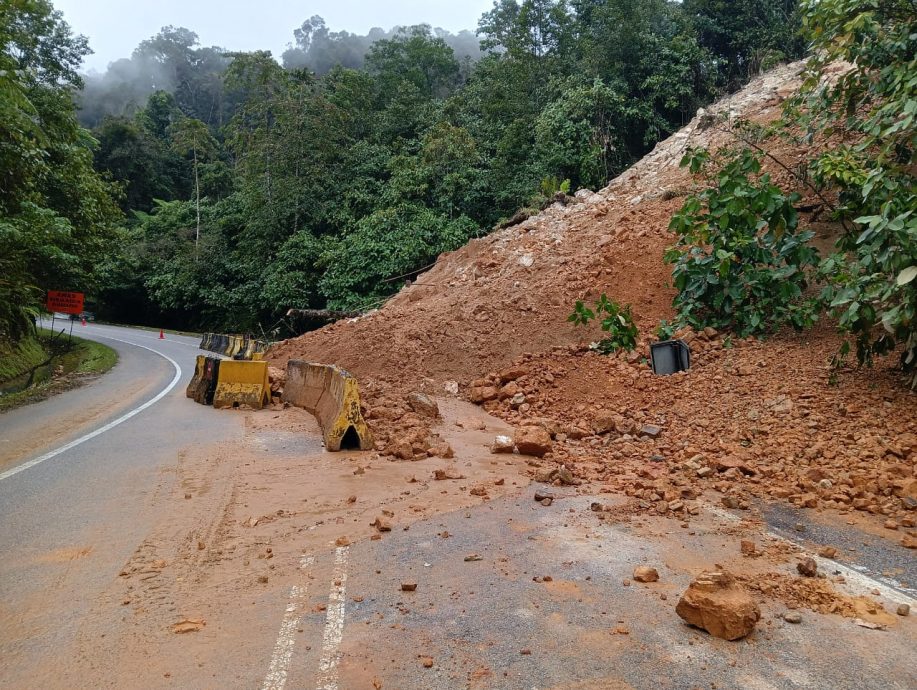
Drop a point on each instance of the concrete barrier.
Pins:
(195, 383)
(242, 383)
(203, 384)
(235, 346)
(332, 395)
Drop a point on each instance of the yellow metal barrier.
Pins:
(332, 395)
(242, 383)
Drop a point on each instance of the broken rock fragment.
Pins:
(423, 405)
(644, 573)
(533, 440)
(715, 602)
(502, 444)
(807, 568)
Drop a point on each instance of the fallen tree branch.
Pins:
(323, 314)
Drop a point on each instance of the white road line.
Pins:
(334, 624)
(279, 668)
(111, 425)
(859, 580)
(94, 326)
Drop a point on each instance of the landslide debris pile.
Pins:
(752, 418)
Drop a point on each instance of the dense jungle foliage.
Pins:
(223, 188)
(248, 186)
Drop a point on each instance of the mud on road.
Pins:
(271, 563)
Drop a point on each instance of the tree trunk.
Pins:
(197, 194)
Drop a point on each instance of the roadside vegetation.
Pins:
(247, 187)
(741, 261)
(49, 363)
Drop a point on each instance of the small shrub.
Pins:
(741, 263)
(616, 321)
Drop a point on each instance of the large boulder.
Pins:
(533, 440)
(715, 602)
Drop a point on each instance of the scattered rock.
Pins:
(423, 405)
(650, 430)
(502, 444)
(792, 617)
(909, 541)
(533, 440)
(807, 568)
(748, 547)
(448, 473)
(644, 573)
(472, 557)
(512, 373)
(903, 609)
(827, 552)
(715, 602)
(408, 586)
(426, 661)
(342, 541)
(541, 495)
(482, 394)
(381, 524)
(401, 448)
(565, 476)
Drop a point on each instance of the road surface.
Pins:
(184, 547)
(93, 496)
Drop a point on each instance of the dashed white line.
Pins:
(286, 639)
(111, 425)
(334, 624)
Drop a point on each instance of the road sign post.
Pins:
(65, 303)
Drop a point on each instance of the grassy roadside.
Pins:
(70, 368)
(21, 357)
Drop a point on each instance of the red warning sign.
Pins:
(64, 302)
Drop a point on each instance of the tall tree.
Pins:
(190, 136)
(56, 212)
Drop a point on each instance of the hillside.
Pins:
(510, 292)
(769, 417)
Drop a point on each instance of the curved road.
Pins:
(73, 469)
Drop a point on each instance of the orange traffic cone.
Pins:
(161, 335)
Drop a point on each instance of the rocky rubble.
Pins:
(750, 420)
(717, 603)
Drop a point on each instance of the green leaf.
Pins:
(906, 276)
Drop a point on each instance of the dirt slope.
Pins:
(510, 292)
(752, 419)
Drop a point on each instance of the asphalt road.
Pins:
(550, 603)
(93, 497)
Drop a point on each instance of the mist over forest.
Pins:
(175, 62)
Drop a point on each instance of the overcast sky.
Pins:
(115, 27)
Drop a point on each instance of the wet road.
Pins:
(70, 519)
(550, 603)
